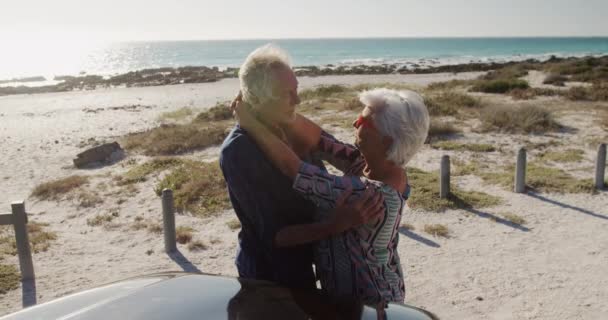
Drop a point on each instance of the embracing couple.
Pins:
(293, 212)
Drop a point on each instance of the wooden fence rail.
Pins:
(18, 219)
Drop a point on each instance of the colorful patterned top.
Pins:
(363, 262)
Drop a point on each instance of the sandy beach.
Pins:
(552, 267)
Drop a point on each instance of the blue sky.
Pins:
(239, 19)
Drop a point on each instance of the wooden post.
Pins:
(520, 171)
(600, 166)
(23, 243)
(444, 177)
(168, 221)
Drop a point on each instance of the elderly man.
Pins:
(262, 197)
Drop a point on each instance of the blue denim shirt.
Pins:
(265, 202)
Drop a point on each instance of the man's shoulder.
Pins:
(237, 141)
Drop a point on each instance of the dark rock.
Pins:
(104, 153)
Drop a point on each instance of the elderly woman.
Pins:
(360, 262)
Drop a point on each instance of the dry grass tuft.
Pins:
(456, 146)
(197, 246)
(450, 103)
(234, 224)
(524, 119)
(568, 155)
(531, 93)
(9, 278)
(437, 230)
(40, 239)
(88, 199)
(155, 228)
(513, 218)
(198, 187)
(103, 219)
(324, 91)
(448, 85)
(220, 111)
(441, 129)
(597, 92)
(53, 189)
(183, 234)
(407, 226)
(177, 115)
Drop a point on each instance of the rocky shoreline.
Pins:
(201, 74)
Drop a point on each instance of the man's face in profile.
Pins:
(282, 110)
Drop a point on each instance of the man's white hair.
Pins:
(257, 75)
(402, 116)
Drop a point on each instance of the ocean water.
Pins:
(108, 59)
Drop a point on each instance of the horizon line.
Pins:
(367, 37)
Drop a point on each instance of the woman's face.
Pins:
(369, 140)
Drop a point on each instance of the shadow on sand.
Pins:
(418, 238)
(567, 206)
(183, 262)
(497, 219)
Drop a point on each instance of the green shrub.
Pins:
(198, 187)
(449, 103)
(499, 86)
(526, 119)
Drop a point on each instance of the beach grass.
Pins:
(513, 218)
(197, 245)
(523, 119)
(177, 115)
(539, 178)
(103, 219)
(52, 190)
(9, 278)
(233, 224)
(451, 103)
(440, 129)
(183, 234)
(457, 146)
(198, 188)
(427, 198)
(598, 91)
(437, 230)
(208, 128)
(499, 85)
(564, 156)
(40, 239)
(140, 173)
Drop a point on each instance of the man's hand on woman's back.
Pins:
(365, 208)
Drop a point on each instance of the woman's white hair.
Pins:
(402, 116)
(258, 76)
